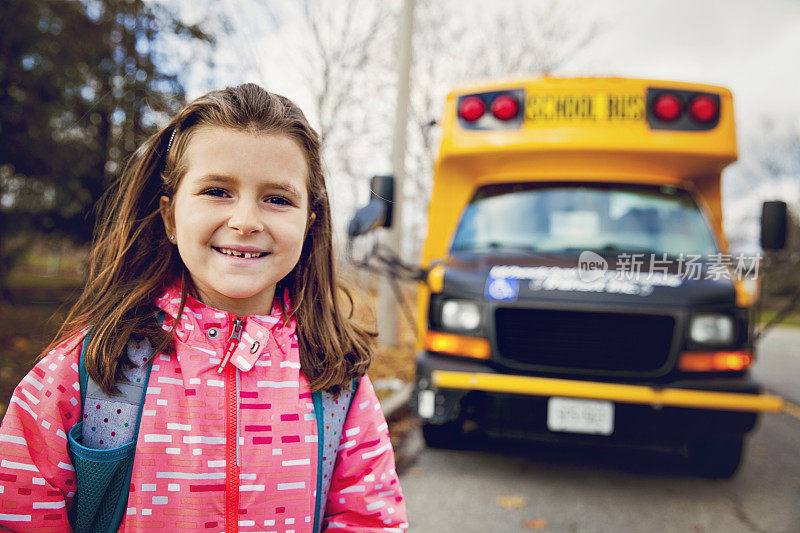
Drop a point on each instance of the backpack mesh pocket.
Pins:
(103, 480)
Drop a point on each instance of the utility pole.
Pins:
(387, 304)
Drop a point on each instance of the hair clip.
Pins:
(169, 144)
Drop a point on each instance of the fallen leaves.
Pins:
(511, 501)
(515, 501)
(21, 344)
(536, 524)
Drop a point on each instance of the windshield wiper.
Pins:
(659, 254)
(622, 249)
(495, 245)
(499, 246)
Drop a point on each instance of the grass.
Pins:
(793, 320)
(24, 280)
(389, 361)
(30, 319)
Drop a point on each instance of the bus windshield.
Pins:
(566, 217)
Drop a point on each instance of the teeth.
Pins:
(235, 253)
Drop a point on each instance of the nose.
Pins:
(245, 218)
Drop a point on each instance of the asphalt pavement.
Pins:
(497, 485)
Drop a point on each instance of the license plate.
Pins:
(580, 416)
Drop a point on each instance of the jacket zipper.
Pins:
(232, 429)
(236, 333)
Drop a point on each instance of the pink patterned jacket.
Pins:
(258, 411)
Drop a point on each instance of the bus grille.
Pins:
(575, 340)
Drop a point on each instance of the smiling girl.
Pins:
(212, 269)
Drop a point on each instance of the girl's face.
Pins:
(239, 216)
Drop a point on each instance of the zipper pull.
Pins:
(233, 342)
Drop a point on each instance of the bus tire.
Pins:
(716, 458)
(447, 435)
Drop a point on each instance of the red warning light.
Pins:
(667, 107)
(505, 107)
(471, 108)
(703, 109)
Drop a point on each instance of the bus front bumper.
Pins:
(449, 389)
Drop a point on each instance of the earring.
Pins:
(172, 237)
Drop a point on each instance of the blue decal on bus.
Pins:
(502, 289)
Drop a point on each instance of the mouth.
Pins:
(238, 253)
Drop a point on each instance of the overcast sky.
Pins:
(750, 46)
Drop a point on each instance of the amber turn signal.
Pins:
(714, 361)
(448, 343)
(435, 278)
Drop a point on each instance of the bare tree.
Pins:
(768, 169)
(346, 53)
(343, 59)
(777, 148)
(456, 43)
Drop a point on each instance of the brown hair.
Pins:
(131, 260)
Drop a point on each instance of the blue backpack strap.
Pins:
(99, 395)
(122, 502)
(331, 414)
(83, 376)
(103, 475)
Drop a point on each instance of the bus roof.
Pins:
(579, 81)
(584, 119)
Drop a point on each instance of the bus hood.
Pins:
(588, 277)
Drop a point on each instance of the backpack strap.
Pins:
(102, 496)
(83, 376)
(331, 413)
(130, 397)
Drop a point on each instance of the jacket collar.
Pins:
(262, 334)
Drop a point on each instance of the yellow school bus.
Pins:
(560, 302)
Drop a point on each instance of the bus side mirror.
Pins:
(378, 212)
(773, 225)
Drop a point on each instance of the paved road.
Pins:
(559, 488)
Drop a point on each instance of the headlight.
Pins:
(711, 329)
(461, 314)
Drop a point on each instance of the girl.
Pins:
(220, 227)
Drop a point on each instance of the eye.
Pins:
(278, 200)
(215, 191)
